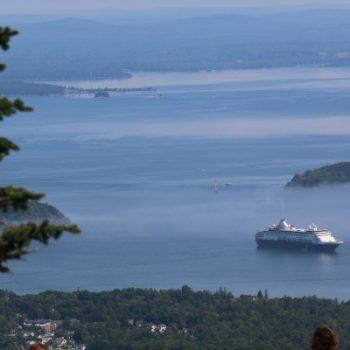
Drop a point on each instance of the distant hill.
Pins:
(37, 212)
(84, 49)
(331, 174)
(14, 87)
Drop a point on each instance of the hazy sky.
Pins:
(40, 6)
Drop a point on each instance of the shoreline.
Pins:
(164, 79)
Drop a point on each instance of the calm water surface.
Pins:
(136, 173)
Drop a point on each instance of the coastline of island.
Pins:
(36, 212)
(338, 173)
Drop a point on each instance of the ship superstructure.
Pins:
(285, 235)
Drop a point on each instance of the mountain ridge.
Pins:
(80, 49)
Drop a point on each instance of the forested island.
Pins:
(330, 174)
(17, 87)
(37, 212)
(140, 319)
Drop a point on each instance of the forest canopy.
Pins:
(123, 319)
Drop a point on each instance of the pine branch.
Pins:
(17, 198)
(6, 146)
(14, 241)
(5, 35)
(8, 107)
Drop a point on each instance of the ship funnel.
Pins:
(313, 227)
(283, 225)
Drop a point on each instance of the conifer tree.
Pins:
(15, 240)
(266, 295)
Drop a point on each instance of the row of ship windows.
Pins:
(304, 235)
(290, 238)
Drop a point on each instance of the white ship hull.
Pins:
(290, 245)
(286, 236)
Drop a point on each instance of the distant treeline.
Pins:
(12, 87)
(123, 319)
(117, 90)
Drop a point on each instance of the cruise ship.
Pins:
(287, 236)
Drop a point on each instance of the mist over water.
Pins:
(136, 173)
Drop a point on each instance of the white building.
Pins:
(161, 328)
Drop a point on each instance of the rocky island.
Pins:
(338, 173)
(37, 212)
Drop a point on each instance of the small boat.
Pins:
(101, 94)
(216, 186)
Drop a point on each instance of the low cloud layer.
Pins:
(213, 129)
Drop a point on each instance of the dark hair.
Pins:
(324, 338)
(38, 347)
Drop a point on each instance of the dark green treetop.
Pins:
(338, 173)
(14, 241)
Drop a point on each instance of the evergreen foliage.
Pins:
(330, 174)
(14, 241)
(122, 319)
(5, 35)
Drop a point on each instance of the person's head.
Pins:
(324, 338)
(38, 347)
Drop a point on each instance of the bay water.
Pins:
(136, 172)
